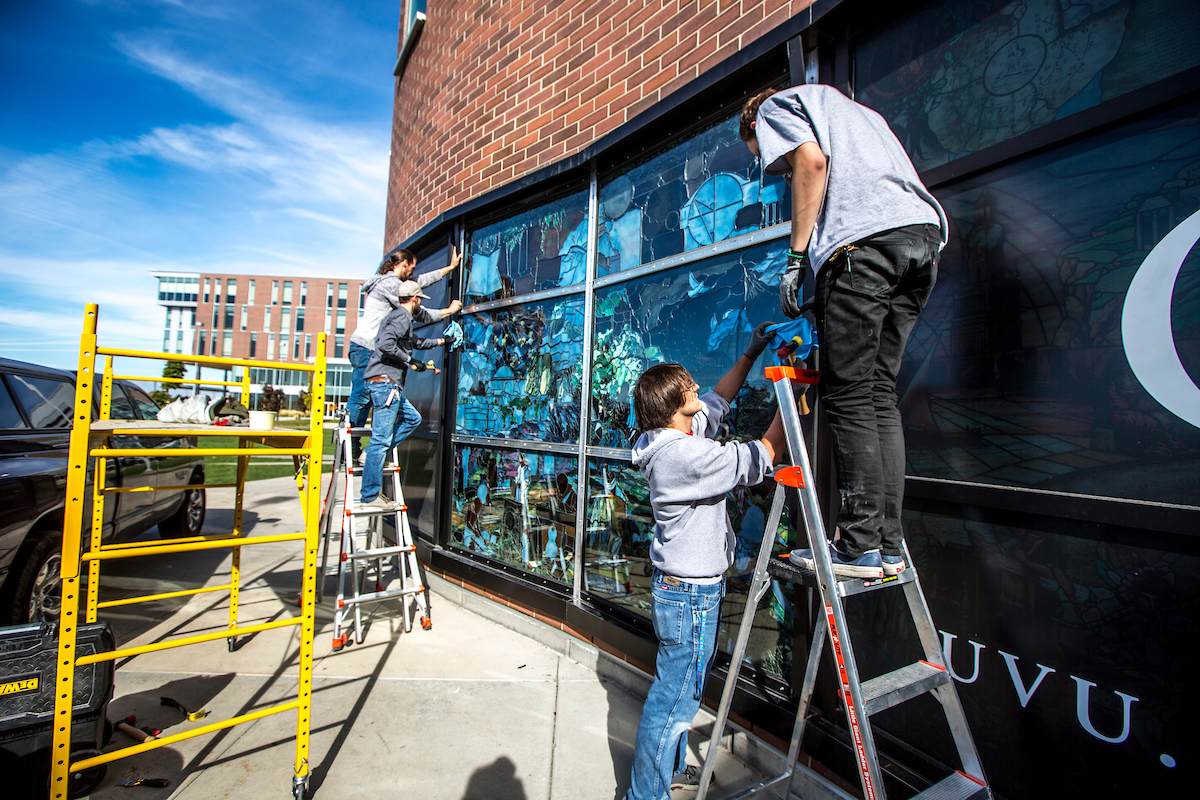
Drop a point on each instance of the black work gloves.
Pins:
(759, 341)
(790, 284)
(417, 366)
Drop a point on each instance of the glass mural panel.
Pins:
(956, 77)
(1044, 606)
(542, 248)
(617, 568)
(699, 315)
(520, 371)
(705, 190)
(1018, 372)
(516, 507)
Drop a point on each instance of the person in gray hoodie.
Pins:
(381, 300)
(689, 473)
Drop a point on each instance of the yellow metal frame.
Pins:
(305, 449)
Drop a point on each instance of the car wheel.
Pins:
(36, 582)
(188, 520)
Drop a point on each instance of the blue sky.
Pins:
(221, 136)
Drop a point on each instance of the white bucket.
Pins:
(262, 420)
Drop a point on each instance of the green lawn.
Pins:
(223, 469)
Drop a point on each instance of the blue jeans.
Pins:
(867, 304)
(686, 618)
(391, 423)
(360, 398)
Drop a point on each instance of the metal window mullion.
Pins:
(780, 231)
(534, 445)
(585, 383)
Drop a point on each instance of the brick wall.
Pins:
(496, 90)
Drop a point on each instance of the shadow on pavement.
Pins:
(496, 781)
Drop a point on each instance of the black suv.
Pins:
(35, 430)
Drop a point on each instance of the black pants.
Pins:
(867, 301)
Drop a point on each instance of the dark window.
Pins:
(10, 415)
(47, 401)
(142, 402)
(121, 407)
(958, 77)
(299, 320)
(253, 345)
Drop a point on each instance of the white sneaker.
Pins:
(380, 503)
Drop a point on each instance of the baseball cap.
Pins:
(410, 289)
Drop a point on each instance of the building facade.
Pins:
(585, 157)
(263, 318)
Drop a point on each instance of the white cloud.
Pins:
(276, 189)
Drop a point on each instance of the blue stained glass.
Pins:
(516, 507)
(699, 315)
(542, 248)
(705, 190)
(520, 371)
(617, 568)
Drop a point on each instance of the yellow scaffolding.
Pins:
(88, 439)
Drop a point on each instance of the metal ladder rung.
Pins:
(375, 512)
(958, 786)
(388, 469)
(900, 685)
(375, 597)
(784, 570)
(379, 552)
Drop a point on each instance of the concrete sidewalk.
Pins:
(470, 710)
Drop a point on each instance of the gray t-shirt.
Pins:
(871, 185)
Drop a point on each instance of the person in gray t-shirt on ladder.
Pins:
(872, 234)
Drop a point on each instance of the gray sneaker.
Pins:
(688, 779)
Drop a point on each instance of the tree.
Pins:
(173, 369)
(305, 398)
(271, 400)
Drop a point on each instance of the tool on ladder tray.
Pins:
(365, 558)
(861, 699)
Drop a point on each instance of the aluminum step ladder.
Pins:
(861, 698)
(370, 569)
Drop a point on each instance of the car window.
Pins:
(121, 408)
(47, 401)
(10, 417)
(142, 401)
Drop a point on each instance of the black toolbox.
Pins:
(28, 655)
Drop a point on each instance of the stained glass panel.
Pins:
(520, 371)
(699, 315)
(516, 507)
(705, 190)
(956, 77)
(617, 568)
(542, 248)
(1019, 370)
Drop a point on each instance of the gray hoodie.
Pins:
(380, 291)
(688, 477)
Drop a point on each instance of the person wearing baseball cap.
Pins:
(394, 417)
(380, 299)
